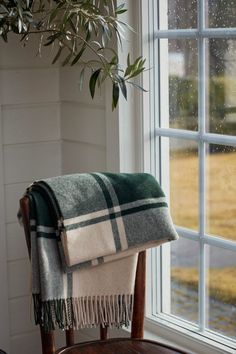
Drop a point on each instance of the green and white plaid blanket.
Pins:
(85, 232)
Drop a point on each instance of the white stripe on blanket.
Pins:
(45, 229)
(78, 242)
(121, 230)
(116, 209)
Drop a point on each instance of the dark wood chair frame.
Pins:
(137, 326)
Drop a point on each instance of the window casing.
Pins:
(159, 134)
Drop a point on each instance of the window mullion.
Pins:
(202, 165)
(195, 33)
(162, 118)
(161, 134)
(192, 135)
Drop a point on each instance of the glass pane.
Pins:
(221, 190)
(221, 111)
(184, 183)
(184, 279)
(183, 91)
(181, 14)
(221, 294)
(221, 13)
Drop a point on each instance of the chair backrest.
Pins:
(137, 326)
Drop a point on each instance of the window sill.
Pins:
(160, 329)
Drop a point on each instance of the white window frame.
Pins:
(155, 161)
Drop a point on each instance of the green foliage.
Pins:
(183, 97)
(217, 97)
(76, 27)
(183, 101)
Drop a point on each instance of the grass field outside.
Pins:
(220, 210)
(220, 282)
(221, 192)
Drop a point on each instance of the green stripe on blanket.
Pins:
(85, 220)
(114, 215)
(113, 212)
(131, 187)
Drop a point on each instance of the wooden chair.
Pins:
(135, 344)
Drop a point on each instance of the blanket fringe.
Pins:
(89, 311)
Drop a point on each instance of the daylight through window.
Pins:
(192, 52)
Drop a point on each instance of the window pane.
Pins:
(221, 112)
(181, 14)
(221, 13)
(221, 190)
(183, 84)
(184, 279)
(221, 294)
(184, 183)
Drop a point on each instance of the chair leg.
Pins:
(70, 337)
(139, 298)
(103, 333)
(48, 342)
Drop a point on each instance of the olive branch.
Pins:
(75, 27)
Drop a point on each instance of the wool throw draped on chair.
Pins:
(86, 230)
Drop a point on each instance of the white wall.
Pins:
(83, 125)
(29, 148)
(47, 127)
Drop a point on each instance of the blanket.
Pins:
(86, 230)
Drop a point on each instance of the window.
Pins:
(190, 145)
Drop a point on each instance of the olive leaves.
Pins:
(74, 28)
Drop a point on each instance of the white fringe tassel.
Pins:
(88, 311)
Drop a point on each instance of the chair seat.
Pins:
(120, 346)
